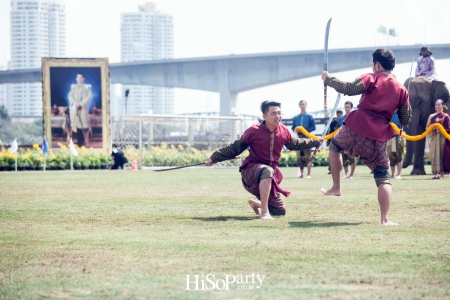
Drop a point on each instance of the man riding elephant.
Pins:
(425, 64)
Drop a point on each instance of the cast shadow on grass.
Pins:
(418, 177)
(309, 224)
(225, 218)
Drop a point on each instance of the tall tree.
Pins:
(4, 116)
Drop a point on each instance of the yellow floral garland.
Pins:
(396, 129)
(423, 135)
(312, 136)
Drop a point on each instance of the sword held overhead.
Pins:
(325, 105)
(325, 63)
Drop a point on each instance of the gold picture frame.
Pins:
(76, 101)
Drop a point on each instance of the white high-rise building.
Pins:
(38, 29)
(147, 35)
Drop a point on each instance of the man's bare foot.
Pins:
(255, 205)
(392, 176)
(301, 176)
(331, 192)
(389, 223)
(265, 216)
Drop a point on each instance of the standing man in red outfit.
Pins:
(367, 129)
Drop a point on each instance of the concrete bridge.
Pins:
(230, 75)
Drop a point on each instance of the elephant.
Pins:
(423, 94)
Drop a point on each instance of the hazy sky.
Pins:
(223, 27)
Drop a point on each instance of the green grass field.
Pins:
(136, 235)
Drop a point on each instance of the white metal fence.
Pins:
(201, 132)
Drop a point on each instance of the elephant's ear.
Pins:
(435, 84)
(439, 90)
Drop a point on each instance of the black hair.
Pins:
(306, 103)
(80, 74)
(266, 104)
(385, 57)
(425, 48)
(339, 111)
(350, 102)
(442, 102)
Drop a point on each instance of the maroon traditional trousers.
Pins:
(251, 179)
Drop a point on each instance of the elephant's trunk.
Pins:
(417, 126)
(409, 154)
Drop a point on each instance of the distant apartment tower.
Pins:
(147, 35)
(38, 29)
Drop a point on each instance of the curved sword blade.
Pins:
(176, 168)
(325, 51)
(333, 112)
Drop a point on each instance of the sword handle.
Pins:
(313, 156)
(325, 106)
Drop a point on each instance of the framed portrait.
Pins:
(76, 101)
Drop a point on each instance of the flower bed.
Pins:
(165, 155)
(177, 156)
(154, 156)
(289, 159)
(32, 159)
